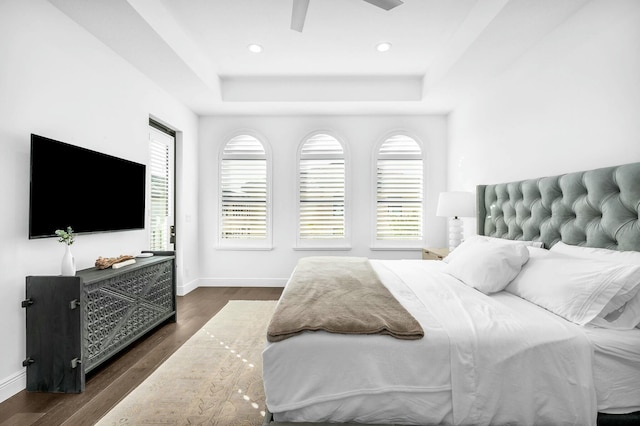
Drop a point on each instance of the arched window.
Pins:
(321, 193)
(399, 192)
(244, 194)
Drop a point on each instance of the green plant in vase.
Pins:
(65, 236)
(68, 267)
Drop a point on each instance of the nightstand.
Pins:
(434, 253)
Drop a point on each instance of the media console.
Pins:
(76, 323)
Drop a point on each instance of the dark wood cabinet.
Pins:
(74, 324)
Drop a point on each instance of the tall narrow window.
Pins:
(244, 194)
(399, 192)
(161, 181)
(322, 193)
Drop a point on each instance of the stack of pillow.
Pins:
(584, 285)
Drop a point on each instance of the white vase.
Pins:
(68, 262)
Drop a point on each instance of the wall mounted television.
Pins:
(87, 190)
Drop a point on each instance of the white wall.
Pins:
(284, 133)
(571, 103)
(60, 82)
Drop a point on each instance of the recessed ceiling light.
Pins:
(255, 48)
(383, 47)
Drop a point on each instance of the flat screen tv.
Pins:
(87, 190)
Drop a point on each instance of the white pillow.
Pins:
(487, 266)
(475, 238)
(464, 245)
(628, 291)
(628, 257)
(537, 244)
(575, 288)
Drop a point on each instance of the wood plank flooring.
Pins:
(111, 382)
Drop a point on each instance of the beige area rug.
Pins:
(215, 378)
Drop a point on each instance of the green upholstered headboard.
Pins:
(595, 208)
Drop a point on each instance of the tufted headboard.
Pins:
(595, 208)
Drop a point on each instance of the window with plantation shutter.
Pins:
(161, 146)
(399, 193)
(244, 194)
(321, 193)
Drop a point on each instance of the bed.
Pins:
(522, 324)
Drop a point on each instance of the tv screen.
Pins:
(87, 190)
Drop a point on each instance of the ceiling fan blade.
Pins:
(385, 4)
(298, 14)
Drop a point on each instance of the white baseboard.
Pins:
(12, 385)
(186, 288)
(242, 282)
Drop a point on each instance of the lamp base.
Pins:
(455, 232)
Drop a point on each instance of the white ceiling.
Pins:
(442, 50)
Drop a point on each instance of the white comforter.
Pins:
(483, 360)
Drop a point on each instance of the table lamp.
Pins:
(456, 204)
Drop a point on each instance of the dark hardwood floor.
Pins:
(111, 382)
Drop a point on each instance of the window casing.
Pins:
(245, 196)
(161, 183)
(322, 194)
(399, 194)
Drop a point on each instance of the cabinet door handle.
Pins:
(75, 362)
(75, 303)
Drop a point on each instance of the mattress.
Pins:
(483, 360)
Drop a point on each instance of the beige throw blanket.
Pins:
(339, 295)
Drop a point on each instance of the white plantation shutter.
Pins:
(321, 189)
(243, 185)
(161, 189)
(399, 189)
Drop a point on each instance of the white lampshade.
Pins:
(456, 204)
(453, 205)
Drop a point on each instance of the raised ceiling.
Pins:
(442, 50)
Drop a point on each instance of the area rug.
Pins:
(215, 378)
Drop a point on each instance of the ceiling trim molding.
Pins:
(322, 89)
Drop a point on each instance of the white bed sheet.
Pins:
(472, 367)
(616, 369)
